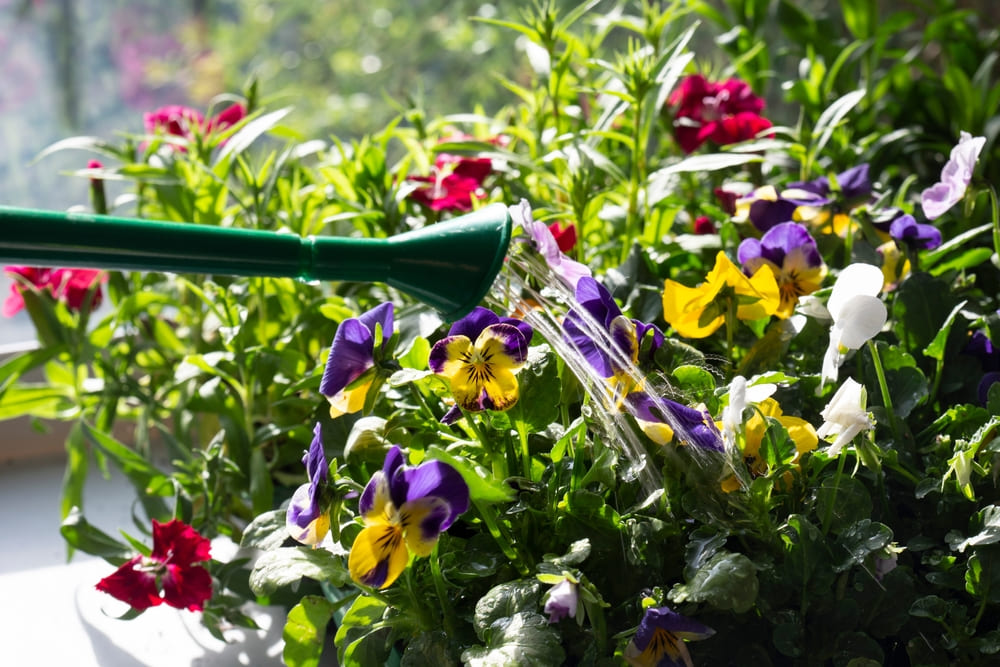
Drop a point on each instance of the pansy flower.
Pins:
(858, 314)
(660, 639)
(350, 372)
(791, 253)
(980, 346)
(172, 574)
(955, 176)
(913, 234)
(307, 519)
(405, 510)
(604, 337)
(478, 358)
(724, 113)
(832, 198)
(845, 416)
(562, 600)
(764, 208)
(663, 421)
(71, 286)
(547, 245)
(697, 312)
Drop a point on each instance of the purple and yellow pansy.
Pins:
(479, 357)
(350, 372)
(791, 253)
(405, 509)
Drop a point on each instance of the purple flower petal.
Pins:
(315, 459)
(765, 214)
(381, 314)
(473, 324)
(438, 480)
(690, 426)
(917, 236)
(955, 177)
(351, 354)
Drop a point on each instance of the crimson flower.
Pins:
(71, 286)
(454, 181)
(724, 112)
(564, 235)
(182, 121)
(171, 574)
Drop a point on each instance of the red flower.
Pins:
(565, 236)
(703, 225)
(724, 113)
(181, 121)
(69, 285)
(171, 568)
(455, 181)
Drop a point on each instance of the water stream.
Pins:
(527, 283)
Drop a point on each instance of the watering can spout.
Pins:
(449, 265)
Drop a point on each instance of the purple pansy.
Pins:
(915, 235)
(607, 339)
(664, 420)
(568, 270)
(955, 176)
(981, 347)
(306, 519)
(562, 601)
(659, 640)
(478, 358)
(352, 354)
(852, 184)
(405, 510)
(790, 251)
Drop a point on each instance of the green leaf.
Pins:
(305, 631)
(525, 639)
(918, 310)
(703, 543)
(266, 532)
(860, 17)
(14, 368)
(368, 433)
(726, 581)
(987, 522)
(428, 649)
(832, 116)
(249, 133)
(696, 383)
(285, 566)
(936, 348)
(482, 485)
(505, 600)
(362, 638)
(83, 536)
(845, 500)
(538, 388)
(860, 540)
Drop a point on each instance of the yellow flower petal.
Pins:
(378, 555)
(348, 401)
(412, 517)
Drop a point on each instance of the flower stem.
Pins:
(884, 387)
(489, 517)
(828, 515)
(447, 613)
(995, 217)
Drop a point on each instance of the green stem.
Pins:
(522, 433)
(828, 515)
(884, 387)
(489, 517)
(447, 613)
(498, 462)
(995, 217)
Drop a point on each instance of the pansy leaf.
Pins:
(287, 565)
(362, 638)
(266, 532)
(936, 348)
(918, 310)
(526, 638)
(482, 486)
(703, 543)
(505, 600)
(538, 388)
(986, 522)
(725, 581)
(305, 631)
(860, 540)
(428, 648)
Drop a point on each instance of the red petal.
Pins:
(133, 587)
(187, 587)
(177, 543)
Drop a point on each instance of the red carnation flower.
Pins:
(724, 113)
(69, 285)
(565, 236)
(170, 574)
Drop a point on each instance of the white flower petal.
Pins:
(859, 319)
(854, 280)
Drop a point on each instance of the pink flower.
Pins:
(68, 285)
(181, 121)
(724, 113)
(455, 181)
(955, 176)
(565, 236)
(171, 574)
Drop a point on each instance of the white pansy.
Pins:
(858, 314)
(742, 394)
(846, 415)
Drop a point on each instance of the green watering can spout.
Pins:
(449, 265)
